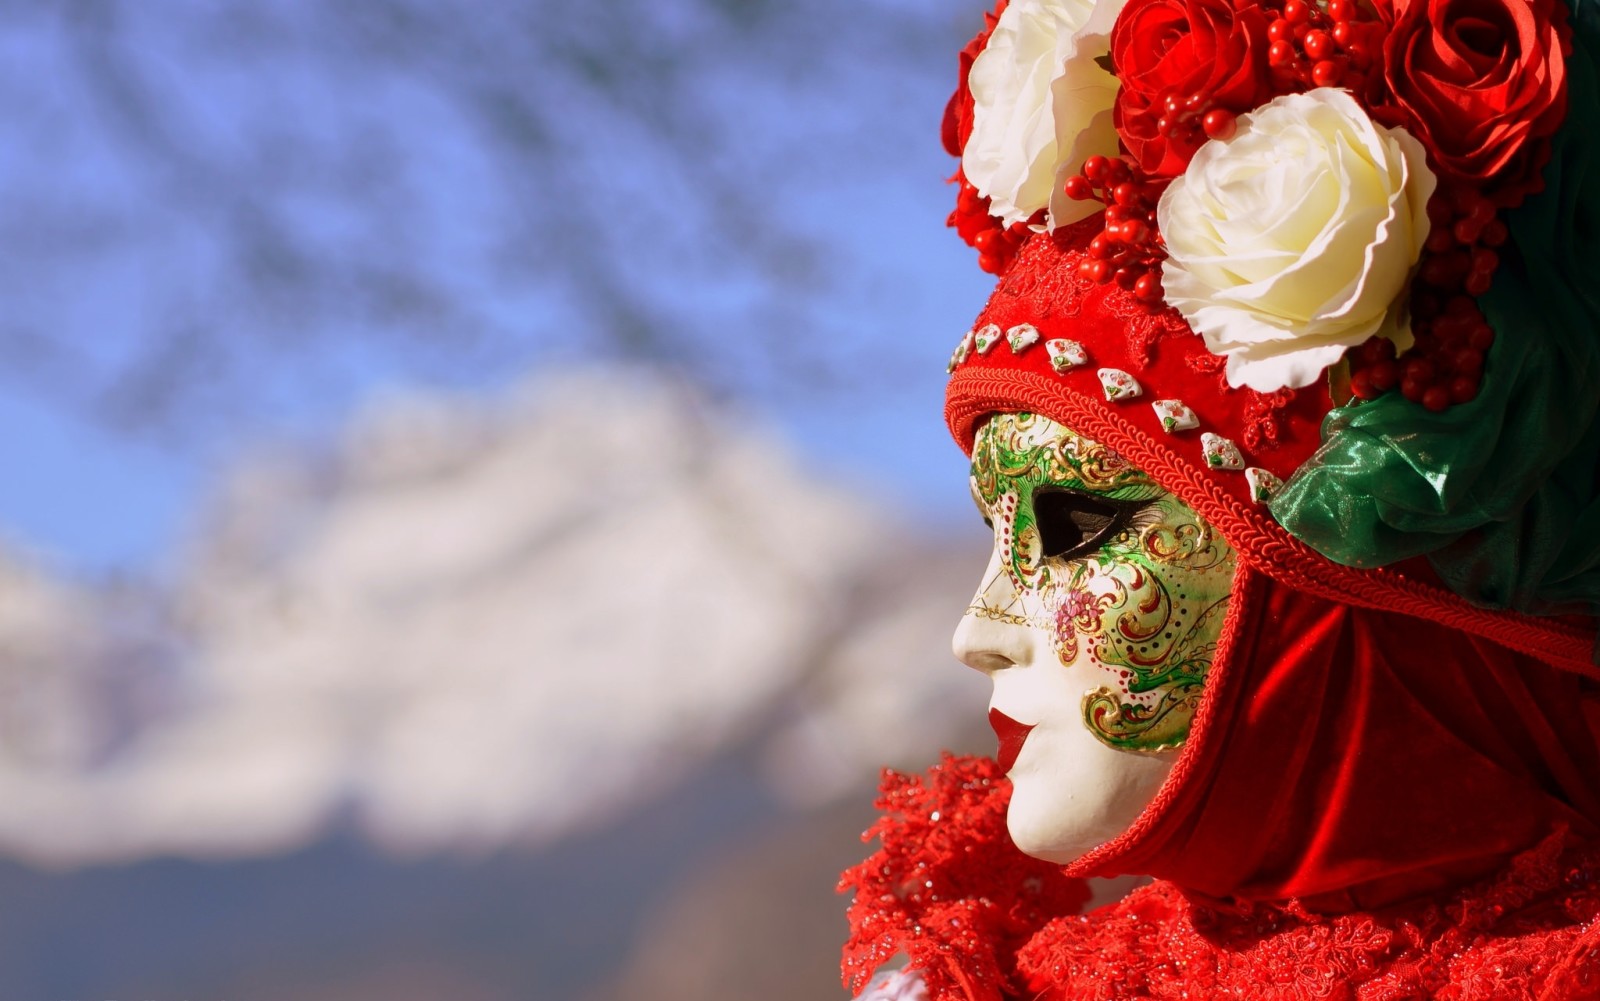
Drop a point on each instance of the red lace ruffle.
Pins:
(984, 922)
(947, 887)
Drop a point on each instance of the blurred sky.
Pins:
(323, 327)
(239, 223)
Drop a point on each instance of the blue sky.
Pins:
(126, 228)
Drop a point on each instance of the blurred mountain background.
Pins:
(477, 515)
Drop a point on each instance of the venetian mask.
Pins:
(1097, 621)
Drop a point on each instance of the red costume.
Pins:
(1370, 806)
(1392, 786)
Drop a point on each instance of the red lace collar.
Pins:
(982, 922)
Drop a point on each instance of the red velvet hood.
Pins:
(1353, 758)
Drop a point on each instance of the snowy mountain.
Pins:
(471, 625)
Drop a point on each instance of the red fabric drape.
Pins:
(1354, 758)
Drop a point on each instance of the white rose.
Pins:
(1041, 106)
(1295, 239)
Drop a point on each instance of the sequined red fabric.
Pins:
(984, 923)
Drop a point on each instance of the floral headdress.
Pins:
(1339, 258)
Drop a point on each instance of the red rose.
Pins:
(1483, 85)
(958, 112)
(1177, 59)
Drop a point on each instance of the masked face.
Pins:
(1097, 620)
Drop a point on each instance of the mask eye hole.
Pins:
(1074, 524)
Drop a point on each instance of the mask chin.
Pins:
(1046, 845)
(1070, 794)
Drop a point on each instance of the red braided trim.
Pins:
(973, 394)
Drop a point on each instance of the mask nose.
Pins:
(992, 635)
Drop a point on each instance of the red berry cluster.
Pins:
(1445, 365)
(996, 244)
(1189, 120)
(1336, 47)
(1463, 237)
(1443, 368)
(1129, 250)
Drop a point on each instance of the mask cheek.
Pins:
(1162, 651)
(1071, 794)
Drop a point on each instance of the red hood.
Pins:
(1353, 758)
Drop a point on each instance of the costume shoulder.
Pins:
(980, 921)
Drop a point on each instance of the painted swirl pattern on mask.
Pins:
(1147, 602)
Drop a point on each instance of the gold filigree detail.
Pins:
(996, 615)
(1031, 448)
(1142, 729)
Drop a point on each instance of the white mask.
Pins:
(1097, 620)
